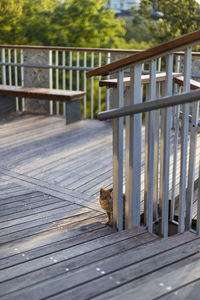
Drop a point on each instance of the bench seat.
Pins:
(72, 98)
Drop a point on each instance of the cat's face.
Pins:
(106, 194)
(106, 199)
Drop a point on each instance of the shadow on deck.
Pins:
(53, 239)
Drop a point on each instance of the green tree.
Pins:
(10, 13)
(34, 26)
(78, 23)
(179, 17)
(87, 23)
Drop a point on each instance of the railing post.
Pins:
(134, 173)
(85, 86)
(184, 142)
(192, 160)
(92, 88)
(16, 78)
(165, 151)
(99, 88)
(149, 151)
(50, 80)
(22, 76)
(108, 60)
(198, 205)
(118, 125)
(3, 68)
(64, 79)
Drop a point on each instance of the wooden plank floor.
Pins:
(54, 243)
(51, 248)
(77, 158)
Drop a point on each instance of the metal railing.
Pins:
(64, 68)
(167, 166)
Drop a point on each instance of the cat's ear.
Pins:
(111, 193)
(101, 190)
(110, 190)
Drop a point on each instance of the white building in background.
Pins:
(122, 6)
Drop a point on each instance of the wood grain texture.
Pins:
(41, 93)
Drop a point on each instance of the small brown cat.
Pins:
(106, 202)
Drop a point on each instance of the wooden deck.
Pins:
(54, 243)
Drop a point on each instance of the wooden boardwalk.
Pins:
(51, 248)
(76, 158)
(54, 243)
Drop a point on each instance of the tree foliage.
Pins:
(10, 13)
(87, 22)
(80, 23)
(179, 17)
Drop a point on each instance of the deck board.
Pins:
(53, 239)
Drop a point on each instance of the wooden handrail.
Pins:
(174, 45)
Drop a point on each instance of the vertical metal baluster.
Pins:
(156, 156)
(192, 161)
(176, 90)
(149, 158)
(85, 87)
(77, 72)
(92, 88)
(22, 76)
(175, 125)
(108, 59)
(128, 100)
(134, 176)
(50, 80)
(165, 151)
(16, 78)
(118, 125)
(70, 72)
(99, 88)
(175, 154)
(146, 151)
(184, 141)
(198, 205)
(9, 68)
(3, 70)
(57, 80)
(64, 80)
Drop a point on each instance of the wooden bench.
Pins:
(72, 98)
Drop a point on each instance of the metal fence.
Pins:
(65, 69)
(168, 166)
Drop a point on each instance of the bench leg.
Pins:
(73, 111)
